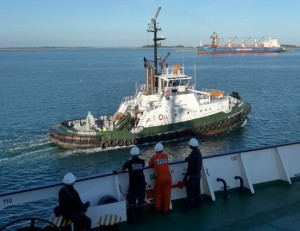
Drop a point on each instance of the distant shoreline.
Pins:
(69, 48)
(178, 47)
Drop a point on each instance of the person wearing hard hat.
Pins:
(163, 179)
(70, 205)
(192, 176)
(137, 185)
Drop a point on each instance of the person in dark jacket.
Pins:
(71, 206)
(193, 176)
(137, 185)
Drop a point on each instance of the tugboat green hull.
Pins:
(67, 137)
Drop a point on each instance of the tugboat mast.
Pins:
(152, 27)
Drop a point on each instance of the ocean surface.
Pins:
(40, 88)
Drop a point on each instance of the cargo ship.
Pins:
(270, 45)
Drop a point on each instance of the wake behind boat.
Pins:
(166, 107)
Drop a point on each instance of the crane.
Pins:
(229, 43)
(257, 40)
(244, 40)
(161, 63)
(220, 40)
(215, 39)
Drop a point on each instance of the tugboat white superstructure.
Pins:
(166, 107)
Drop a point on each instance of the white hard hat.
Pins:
(193, 142)
(69, 179)
(159, 147)
(135, 151)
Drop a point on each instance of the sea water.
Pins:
(41, 88)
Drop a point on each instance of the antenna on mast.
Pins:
(153, 27)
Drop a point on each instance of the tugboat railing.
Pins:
(127, 100)
(174, 71)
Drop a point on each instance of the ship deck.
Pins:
(273, 206)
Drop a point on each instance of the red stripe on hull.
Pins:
(236, 52)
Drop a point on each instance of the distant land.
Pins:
(288, 47)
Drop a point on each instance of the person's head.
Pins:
(135, 151)
(193, 143)
(69, 179)
(159, 147)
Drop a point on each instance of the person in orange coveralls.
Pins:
(163, 179)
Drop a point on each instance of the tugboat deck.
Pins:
(274, 206)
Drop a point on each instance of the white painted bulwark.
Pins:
(253, 166)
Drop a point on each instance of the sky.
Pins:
(124, 23)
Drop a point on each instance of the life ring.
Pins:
(160, 117)
(148, 197)
(107, 199)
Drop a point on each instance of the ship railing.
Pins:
(127, 100)
(200, 92)
(191, 87)
(142, 118)
(210, 90)
(8, 214)
(142, 88)
(173, 71)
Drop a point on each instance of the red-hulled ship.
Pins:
(268, 46)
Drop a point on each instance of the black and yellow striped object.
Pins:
(110, 219)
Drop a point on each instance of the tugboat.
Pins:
(166, 107)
